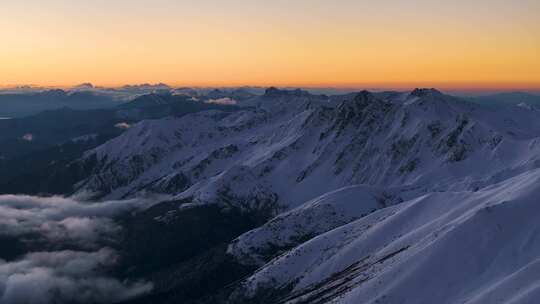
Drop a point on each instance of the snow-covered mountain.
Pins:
(315, 217)
(298, 146)
(391, 197)
(444, 247)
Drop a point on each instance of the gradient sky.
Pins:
(463, 44)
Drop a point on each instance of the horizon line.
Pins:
(445, 86)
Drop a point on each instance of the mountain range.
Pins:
(295, 197)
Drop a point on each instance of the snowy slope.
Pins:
(415, 197)
(317, 216)
(449, 247)
(298, 141)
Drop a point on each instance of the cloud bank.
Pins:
(50, 273)
(59, 219)
(64, 277)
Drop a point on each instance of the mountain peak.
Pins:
(274, 92)
(54, 93)
(364, 96)
(86, 85)
(362, 103)
(147, 86)
(425, 92)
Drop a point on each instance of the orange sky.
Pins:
(344, 43)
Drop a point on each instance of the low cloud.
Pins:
(45, 272)
(222, 101)
(60, 219)
(28, 137)
(122, 125)
(64, 277)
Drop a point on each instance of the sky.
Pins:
(340, 43)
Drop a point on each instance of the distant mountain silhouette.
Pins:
(507, 98)
(24, 104)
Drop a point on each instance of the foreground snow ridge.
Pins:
(449, 247)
